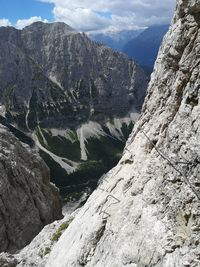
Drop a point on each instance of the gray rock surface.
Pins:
(7, 260)
(54, 76)
(146, 211)
(27, 199)
(37, 252)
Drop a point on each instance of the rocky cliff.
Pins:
(146, 211)
(53, 76)
(27, 199)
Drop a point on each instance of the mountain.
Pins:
(27, 199)
(140, 45)
(115, 39)
(60, 78)
(75, 97)
(145, 211)
(144, 48)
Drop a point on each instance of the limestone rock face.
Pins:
(27, 199)
(7, 260)
(146, 211)
(54, 76)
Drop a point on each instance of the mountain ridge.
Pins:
(144, 48)
(116, 39)
(52, 63)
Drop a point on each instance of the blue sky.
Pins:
(88, 15)
(24, 9)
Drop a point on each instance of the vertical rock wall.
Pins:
(27, 199)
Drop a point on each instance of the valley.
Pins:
(76, 99)
(100, 167)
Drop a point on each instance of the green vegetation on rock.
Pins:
(60, 231)
(44, 251)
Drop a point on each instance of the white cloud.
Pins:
(83, 19)
(88, 15)
(21, 23)
(5, 22)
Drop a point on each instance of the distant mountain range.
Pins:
(140, 45)
(116, 40)
(144, 48)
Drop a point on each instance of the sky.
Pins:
(88, 15)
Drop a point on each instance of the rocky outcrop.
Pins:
(60, 78)
(146, 211)
(27, 199)
(7, 260)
